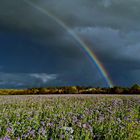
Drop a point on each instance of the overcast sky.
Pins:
(37, 51)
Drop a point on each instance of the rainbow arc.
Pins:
(91, 55)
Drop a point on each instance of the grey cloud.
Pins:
(112, 42)
(105, 13)
(26, 79)
(107, 3)
(44, 77)
(118, 14)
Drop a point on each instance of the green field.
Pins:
(70, 118)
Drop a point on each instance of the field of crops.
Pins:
(70, 118)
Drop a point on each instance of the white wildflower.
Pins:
(68, 129)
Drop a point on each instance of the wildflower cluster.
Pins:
(72, 118)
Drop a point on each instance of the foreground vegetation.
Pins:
(70, 118)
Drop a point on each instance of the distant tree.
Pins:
(113, 90)
(71, 90)
(135, 89)
(118, 90)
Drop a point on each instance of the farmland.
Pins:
(69, 117)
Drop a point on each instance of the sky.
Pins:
(36, 51)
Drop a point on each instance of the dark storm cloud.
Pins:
(17, 16)
(114, 13)
(110, 27)
(126, 45)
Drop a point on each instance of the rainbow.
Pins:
(83, 45)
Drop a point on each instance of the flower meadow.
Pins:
(70, 118)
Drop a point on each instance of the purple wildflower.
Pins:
(6, 138)
(9, 129)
